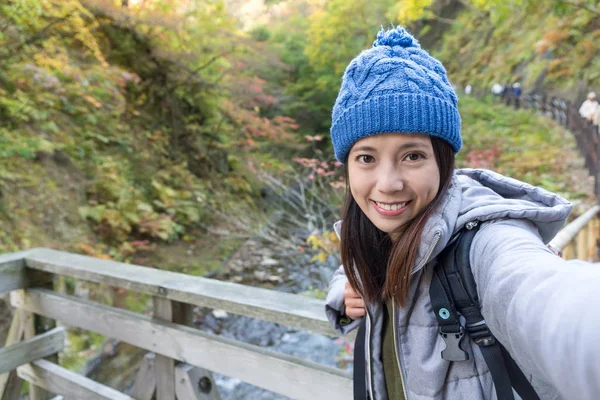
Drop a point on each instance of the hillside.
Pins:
(125, 131)
(550, 47)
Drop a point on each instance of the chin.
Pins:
(387, 228)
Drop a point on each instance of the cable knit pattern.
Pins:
(395, 86)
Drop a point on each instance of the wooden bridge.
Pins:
(180, 358)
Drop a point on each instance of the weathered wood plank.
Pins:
(13, 387)
(569, 232)
(36, 324)
(61, 381)
(39, 346)
(11, 257)
(15, 333)
(269, 305)
(12, 275)
(144, 385)
(164, 366)
(195, 383)
(277, 372)
(16, 330)
(10, 383)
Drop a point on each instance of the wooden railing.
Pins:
(182, 355)
(579, 239)
(566, 113)
(180, 358)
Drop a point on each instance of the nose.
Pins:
(389, 180)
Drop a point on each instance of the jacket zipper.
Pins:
(436, 240)
(368, 344)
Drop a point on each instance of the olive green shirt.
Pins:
(391, 369)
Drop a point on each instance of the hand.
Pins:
(355, 306)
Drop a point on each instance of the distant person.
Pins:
(497, 89)
(516, 91)
(537, 313)
(506, 94)
(588, 107)
(596, 119)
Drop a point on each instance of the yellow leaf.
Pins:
(321, 257)
(93, 101)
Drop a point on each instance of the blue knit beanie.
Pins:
(395, 86)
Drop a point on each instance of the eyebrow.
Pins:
(405, 146)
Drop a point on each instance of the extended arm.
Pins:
(545, 310)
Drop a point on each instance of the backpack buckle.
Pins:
(453, 350)
(480, 333)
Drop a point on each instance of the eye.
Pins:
(414, 156)
(365, 159)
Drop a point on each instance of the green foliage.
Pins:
(81, 346)
(519, 144)
(119, 209)
(539, 42)
(334, 38)
(135, 98)
(260, 33)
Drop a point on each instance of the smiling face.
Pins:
(393, 177)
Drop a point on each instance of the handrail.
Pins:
(172, 341)
(570, 232)
(269, 305)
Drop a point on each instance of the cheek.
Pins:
(433, 191)
(356, 182)
(431, 184)
(356, 190)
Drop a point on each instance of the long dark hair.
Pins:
(368, 254)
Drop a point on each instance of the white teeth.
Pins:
(391, 207)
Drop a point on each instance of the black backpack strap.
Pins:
(449, 325)
(359, 374)
(453, 291)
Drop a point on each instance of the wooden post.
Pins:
(170, 381)
(23, 326)
(13, 387)
(582, 244)
(35, 324)
(144, 385)
(568, 251)
(595, 238)
(10, 383)
(591, 240)
(164, 366)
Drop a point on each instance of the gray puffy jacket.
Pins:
(543, 309)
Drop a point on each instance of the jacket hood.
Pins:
(483, 195)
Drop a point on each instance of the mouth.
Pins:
(390, 209)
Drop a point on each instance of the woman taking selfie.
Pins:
(525, 324)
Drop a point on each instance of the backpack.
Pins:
(453, 292)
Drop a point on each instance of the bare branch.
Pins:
(442, 19)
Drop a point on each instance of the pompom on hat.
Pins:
(395, 86)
